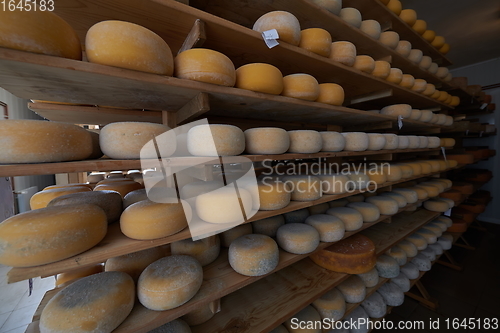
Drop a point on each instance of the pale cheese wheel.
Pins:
(425, 63)
(353, 289)
(438, 42)
(438, 250)
(410, 195)
(301, 86)
(202, 250)
(128, 45)
(429, 35)
(442, 72)
(445, 241)
(415, 56)
(397, 254)
(376, 141)
(408, 247)
(331, 93)
(404, 48)
(352, 219)
(403, 141)
(359, 180)
(305, 141)
(437, 205)
(215, 140)
(410, 270)
(205, 65)
(303, 187)
(330, 305)
(43, 198)
(285, 23)
(364, 63)
(330, 228)
(370, 278)
(426, 116)
(434, 68)
(109, 298)
(375, 306)
(260, 77)
(332, 141)
(415, 114)
(266, 140)
(392, 294)
(308, 314)
(371, 28)
(316, 40)
(421, 193)
(441, 119)
(430, 89)
(228, 236)
(390, 39)
(386, 205)
(145, 219)
(298, 238)
(55, 141)
(196, 188)
(356, 141)
(134, 263)
(382, 69)
(95, 177)
(272, 195)
(253, 255)
(419, 241)
(297, 216)
(333, 6)
(169, 282)
(343, 52)
(417, 168)
(395, 76)
(406, 171)
(446, 220)
(432, 191)
(391, 141)
(176, 325)
(408, 81)
(423, 143)
(268, 226)
(395, 6)
(447, 142)
(358, 316)
(351, 16)
(318, 209)
(402, 282)
(400, 199)
(450, 202)
(430, 236)
(50, 234)
(377, 176)
(123, 188)
(370, 212)
(422, 262)
(335, 184)
(419, 85)
(76, 274)
(409, 16)
(420, 26)
(429, 253)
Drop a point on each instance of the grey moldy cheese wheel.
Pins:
(134, 263)
(370, 278)
(387, 267)
(266, 140)
(134, 196)
(402, 282)
(422, 262)
(419, 241)
(253, 255)
(204, 251)
(375, 306)
(175, 326)
(330, 228)
(298, 238)
(360, 319)
(392, 294)
(351, 16)
(429, 253)
(268, 226)
(410, 270)
(353, 289)
(397, 254)
(331, 305)
(376, 141)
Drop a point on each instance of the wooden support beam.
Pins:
(424, 298)
(334, 128)
(452, 263)
(370, 97)
(196, 36)
(196, 107)
(169, 118)
(465, 244)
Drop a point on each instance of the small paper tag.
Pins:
(444, 153)
(400, 121)
(270, 38)
(447, 213)
(483, 106)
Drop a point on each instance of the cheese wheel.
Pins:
(422, 262)
(423, 143)
(417, 168)
(406, 171)
(268, 226)
(446, 220)
(438, 42)
(356, 141)
(228, 236)
(95, 177)
(442, 72)
(43, 198)
(109, 201)
(436, 205)
(376, 141)
(419, 85)
(391, 141)
(386, 205)
(176, 325)
(305, 141)
(308, 314)
(415, 114)
(408, 81)
(334, 184)
(392, 294)
(359, 180)
(430, 236)
(408, 247)
(169, 282)
(316, 40)
(303, 187)
(441, 119)
(432, 191)
(403, 141)
(370, 278)
(446, 241)
(128, 45)
(436, 94)
(331, 93)
(51, 187)
(272, 195)
(204, 251)
(402, 282)
(395, 6)
(429, 90)
(409, 16)
(123, 188)
(343, 52)
(434, 68)
(134, 263)
(109, 298)
(333, 6)
(455, 101)
(375, 306)
(420, 26)
(419, 241)
(55, 142)
(397, 254)
(253, 255)
(387, 267)
(410, 195)
(382, 69)
(260, 77)
(318, 209)
(145, 219)
(215, 140)
(285, 23)
(400, 199)
(445, 48)
(330, 228)
(415, 56)
(448, 78)
(352, 219)
(377, 176)
(426, 116)
(360, 318)
(205, 65)
(410, 270)
(395, 76)
(390, 39)
(78, 273)
(404, 48)
(297, 216)
(452, 163)
(442, 165)
(429, 253)
(438, 250)
(351, 16)
(266, 140)
(371, 28)
(353, 289)
(364, 63)
(332, 141)
(301, 86)
(50, 234)
(330, 305)
(429, 35)
(426, 62)
(369, 211)
(298, 238)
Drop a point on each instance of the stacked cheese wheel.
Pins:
(405, 111)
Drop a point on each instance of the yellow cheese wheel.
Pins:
(409, 16)
(169, 282)
(304, 188)
(377, 176)
(40, 32)
(436, 94)
(42, 199)
(334, 184)
(351, 16)
(393, 172)
(128, 45)
(395, 110)
(37, 141)
(442, 72)
(343, 52)
(447, 142)
(408, 81)
(382, 69)
(134, 263)
(316, 40)
(50, 234)
(395, 6)
(107, 300)
(400, 199)
(301, 86)
(78, 273)
(445, 48)
(390, 39)
(273, 195)
(266, 140)
(150, 220)
(253, 255)
(51, 187)
(331, 93)
(438, 42)
(369, 211)
(415, 56)
(404, 48)
(420, 26)
(395, 76)
(430, 89)
(260, 77)
(421, 193)
(205, 250)
(223, 206)
(419, 85)
(426, 62)
(205, 65)
(443, 96)
(331, 305)
(285, 23)
(353, 219)
(429, 35)
(371, 28)
(305, 141)
(436, 205)
(298, 238)
(432, 191)
(215, 140)
(364, 63)
(385, 2)
(123, 188)
(386, 205)
(426, 167)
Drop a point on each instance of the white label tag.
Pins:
(447, 213)
(444, 153)
(400, 121)
(270, 38)
(483, 106)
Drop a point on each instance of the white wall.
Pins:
(487, 73)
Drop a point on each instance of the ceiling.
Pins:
(471, 27)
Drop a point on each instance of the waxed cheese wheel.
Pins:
(364, 63)
(304, 188)
(334, 184)
(331, 93)
(371, 28)
(391, 141)
(409, 16)
(297, 216)
(43, 198)
(260, 77)
(128, 45)
(397, 254)
(386, 205)
(370, 278)
(387, 267)
(403, 110)
(253, 255)
(332, 141)
(408, 81)
(382, 69)
(351, 16)
(285, 23)
(343, 52)
(356, 141)
(75, 274)
(410, 270)
(422, 262)
(205, 250)
(404, 48)
(352, 219)
(369, 211)
(305, 141)
(330, 305)
(353, 289)
(134, 263)
(266, 140)
(420, 26)
(301, 86)
(395, 76)
(107, 300)
(390, 39)
(330, 228)
(298, 238)
(375, 306)
(308, 314)
(205, 65)
(376, 141)
(316, 40)
(392, 294)
(415, 56)
(215, 140)
(55, 141)
(268, 226)
(402, 282)
(50, 234)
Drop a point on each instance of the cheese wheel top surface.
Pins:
(285, 23)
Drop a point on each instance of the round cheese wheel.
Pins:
(419, 241)
(356, 198)
(397, 254)
(377, 176)
(423, 143)
(436, 94)
(352, 219)
(442, 165)
(432, 191)
(297, 216)
(253, 255)
(434, 68)
(205, 65)
(386, 205)
(331, 305)
(351, 16)
(417, 168)
(50, 234)
(426, 116)
(441, 119)
(109, 298)
(318, 209)
(446, 220)
(330, 228)
(371, 28)
(308, 314)
(452, 163)
(410, 270)
(134, 263)
(395, 6)
(298, 238)
(334, 184)
(176, 325)
(436, 205)
(95, 177)
(332, 141)
(400, 199)
(215, 140)
(272, 195)
(438, 250)
(382, 69)
(333, 6)
(415, 56)
(455, 101)
(203, 251)
(403, 141)
(402, 282)
(303, 187)
(438, 42)
(422, 262)
(301, 86)
(55, 142)
(260, 77)
(375, 306)
(370, 278)
(430, 236)
(353, 289)
(410, 195)
(228, 236)
(305, 141)
(356, 141)
(266, 140)
(420, 26)
(442, 72)
(390, 39)
(369, 211)
(415, 114)
(43, 198)
(391, 141)
(196, 188)
(421, 193)
(146, 219)
(392, 294)
(387, 267)
(128, 45)
(364, 63)
(404, 48)
(406, 171)
(409, 16)
(445, 48)
(359, 180)
(426, 62)
(285, 23)
(395, 76)
(445, 241)
(51, 187)
(169, 282)
(376, 141)
(408, 247)
(430, 89)
(316, 40)
(268, 226)
(360, 317)
(419, 85)
(343, 52)
(78, 273)
(331, 93)
(429, 35)
(123, 188)
(408, 81)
